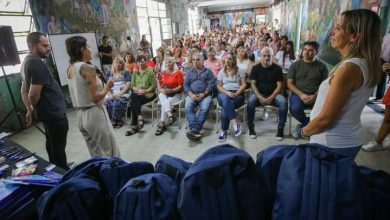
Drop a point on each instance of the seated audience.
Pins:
(143, 85)
(198, 86)
(170, 85)
(231, 86)
(285, 57)
(118, 97)
(212, 62)
(130, 62)
(303, 80)
(267, 83)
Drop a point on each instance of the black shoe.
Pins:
(193, 136)
(280, 134)
(171, 120)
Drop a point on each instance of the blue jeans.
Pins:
(279, 101)
(228, 110)
(196, 122)
(297, 109)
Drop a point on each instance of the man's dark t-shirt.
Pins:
(106, 60)
(51, 103)
(266, 78)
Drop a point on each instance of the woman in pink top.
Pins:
(212, 62)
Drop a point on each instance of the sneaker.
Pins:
(222, 136)
(297, 132)
(252, 134)
(237, 130)
(372, 146)
(280, 134)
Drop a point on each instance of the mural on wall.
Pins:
(239, 18)
(289, 15)
(318, 19)
(114, 18)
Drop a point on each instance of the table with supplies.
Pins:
(24, 176)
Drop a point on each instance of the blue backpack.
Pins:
(110, 174)
(221, 184)
(378, 198)
(150, 196)
(268, 165)
(84, 167)
(174, 167)
(315, 183)
(80, 197)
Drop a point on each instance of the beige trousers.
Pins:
(95, 126)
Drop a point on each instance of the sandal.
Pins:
(119, 124)
(160, 129)
(140, 123)
(131, 131)
(171, 120)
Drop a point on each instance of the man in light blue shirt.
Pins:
(199, 83)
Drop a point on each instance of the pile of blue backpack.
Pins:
(286, 182)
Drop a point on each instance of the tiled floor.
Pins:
(145, 146)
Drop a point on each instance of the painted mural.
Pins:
(114, 18)
(318, 18)
(239, 18)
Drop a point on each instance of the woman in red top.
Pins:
(170, 85)
(179, 45)
(130, 63)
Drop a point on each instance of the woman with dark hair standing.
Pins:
(87, 94)
(335, 118)
(144, 44)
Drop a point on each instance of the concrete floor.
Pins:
(145, 146)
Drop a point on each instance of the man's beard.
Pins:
(43, 55)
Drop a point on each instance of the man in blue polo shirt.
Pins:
(199, 83)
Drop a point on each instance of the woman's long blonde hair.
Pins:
(368, 45)
(234, 67)
(121, 61)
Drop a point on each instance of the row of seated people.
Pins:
(266, 83)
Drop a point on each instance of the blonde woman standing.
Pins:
(341, 98)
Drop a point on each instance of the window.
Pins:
(141, 3)
(162, 11)
(17, 14)
(152, 8)
(18, 23)
(166, 28)
(147, 9)
(193, 19)
(18, 6)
